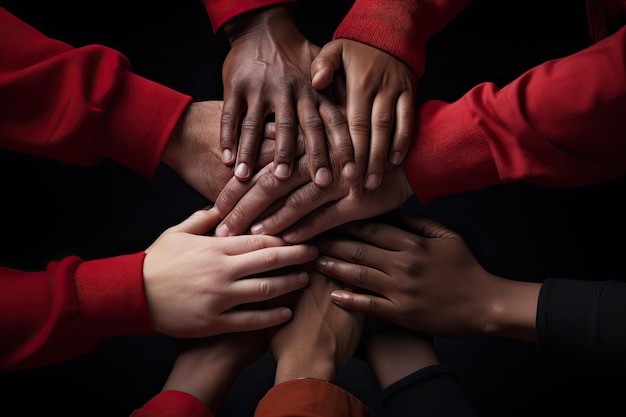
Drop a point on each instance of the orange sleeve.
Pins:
(310, 398)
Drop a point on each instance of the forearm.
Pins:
(559, 124)
(52, 316)
(79, 105)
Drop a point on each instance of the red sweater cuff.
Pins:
(111, 296)
(310, 397)
(400, 28)
(449, 154)
(173, 404)
(141, 121)
(221, 11)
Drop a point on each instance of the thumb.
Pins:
(200, 222)
(428, 227)
(325, 64)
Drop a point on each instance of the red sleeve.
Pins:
(173, 404)
(52, 316)
(221, 11)
(310, 398)
(560, 124)
(399, 27)
(79, 105)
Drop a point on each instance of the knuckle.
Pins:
(285, 124)
(313, 122)
(383, 121)
(266, 288)
(270, 258)
(285, 151)
(251, 124)
(361, 276)
(359, 253)
(360, 124)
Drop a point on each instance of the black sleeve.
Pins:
(584, 322)
(430, 392)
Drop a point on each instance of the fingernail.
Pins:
(315, 77)
(282, 171)
(242, 171)
(337, 297)
(321, 261)
(322, 177)
(303, 277)
(257, 229)
(314, 251)
(227, 156)
(222, 230)
(373, 181)
(285, 313)
(396, 158)
(349, 171)
(290, 237)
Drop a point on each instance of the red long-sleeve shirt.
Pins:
(77, 105)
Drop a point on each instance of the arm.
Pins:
(203, 372)
(438, 287)
(414, 383)
(309, 350)
(560, 124)
(79, 105)
(51, 316)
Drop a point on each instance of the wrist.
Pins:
(513, 314)
(258, 21)
(304, 366)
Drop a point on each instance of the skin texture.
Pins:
(193, 150)
(198, 285)
(267, 73)
(320, 338)
(298, 209)
(394, 353)
(206, 368)
(426, 279)
(379, 97)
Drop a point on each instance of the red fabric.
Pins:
(173, 404)
(94, 107)
(221, 11)
(559, 124)
(310, 398)
(400, 27)
(52, 316)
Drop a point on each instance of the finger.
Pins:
(252, 127)
(428, 227)
(315, 140)
(383, 110)
(323, 67)
(403, 135)
(247, 320)
(351, 272)
(229, 127)
(243, 205)
(340, 143)
(285, 138)
(199, 223)
(297, 205)
(370, 305)
(358, 113)
(269, 259)
(245, 244)
(381, 235)
(252, 290)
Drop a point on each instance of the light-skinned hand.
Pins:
(198, 285)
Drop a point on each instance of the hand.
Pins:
(380, 103)
(264, 205)
(198, 286)
(268, 71)
(193, 150)
(426, 280)
(207, 368)
(320, 338)
(394, 352)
